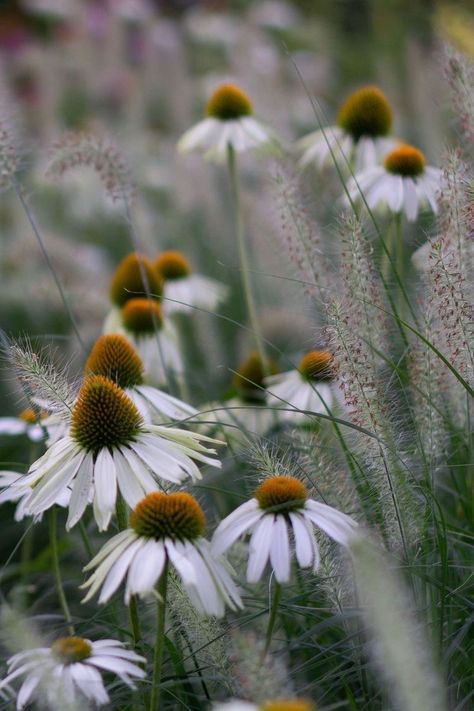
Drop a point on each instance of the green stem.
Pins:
(160, 640)
(53, 540)
(272, 619)
(243, 253)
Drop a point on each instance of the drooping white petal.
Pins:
(89, 682)
(259, 548)
(129, 485)
(145, 569)
(118, 571)
(280, 550)
(81, 492)
(105, 484)
(337, 525)
(304, 540)
(224, 537)
(184, 568)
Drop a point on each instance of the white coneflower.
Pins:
(307, 388)
(27, 423)
(114, 357)
(183, 289)
(154, 338)
(360, 136)
(281, 505)
(110, 448)
(164, 528)
(134, 277)
(70, 671)
(229, 122)
(247, 412)
(271, 705)
(403, 184)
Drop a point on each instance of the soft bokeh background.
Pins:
(140, 72)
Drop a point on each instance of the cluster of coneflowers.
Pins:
(128, 447)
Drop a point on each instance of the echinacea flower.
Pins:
(281, 504)
(403, 184)
(134, 277)
(152, 335)
(164, 528)
(306, 388)
(27, 422)
(247, 413)
(360, 137)
(229, 122)
(70, 671)
(271, 705)
(114, 357)
(183, 289)
(109, 448)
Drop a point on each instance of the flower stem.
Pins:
(272, 619)
(160, 640)
(53, 540)
(243, 253)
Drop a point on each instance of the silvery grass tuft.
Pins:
(400, 647)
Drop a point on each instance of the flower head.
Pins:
(164, 528)
(109, 447)
(366, 112)
(228, 103)
(307, 388)
(281, 504)
(114, 357)
(360, 135)
(141, 317)
(133, 277)
(249, 377)
(404, 183)
(70, 670)
(229, 122)
(184, 289)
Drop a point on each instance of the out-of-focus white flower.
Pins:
(307, 388)
(164, 528)
(26, 423)
(271, 705)
(229, 122)
(360, 136)
(403, 184)
(108, 449)
(281, 505)
(114, 357)
(183, 289)
(70, 671)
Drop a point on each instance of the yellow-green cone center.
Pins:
(103, 416)
(128, 281)
(69, 650)
(366, 113)
(316, 365)
(141, 317)
(172, 265)
(176, 516)
(115, 358)
(281, 494)
(229, 102)
(406, 161)
(248, 379)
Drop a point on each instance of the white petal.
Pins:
(89, 681)
(410, 199)
(336, 524)
(184, 568)
(145, 569)
(304, 541)
(81, 492)
(119, 570)
(129, 485)
(224, 537)
(105, 485)
(259, 549)
(280, 550)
